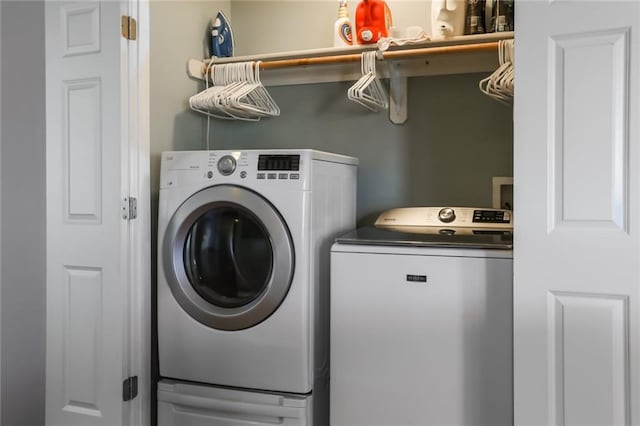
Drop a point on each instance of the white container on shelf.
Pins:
(447, 18)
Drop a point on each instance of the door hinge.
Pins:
(130, 388)
(129, 27)
(129, 208)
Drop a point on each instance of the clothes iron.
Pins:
(221, 37)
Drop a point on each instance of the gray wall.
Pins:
(22, 226)
(179, 31)
(454, 141)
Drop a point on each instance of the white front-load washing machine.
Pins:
(243, 279)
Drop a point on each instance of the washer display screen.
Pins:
(279, 162)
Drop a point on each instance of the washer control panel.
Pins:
(238, 167)
(449, 217)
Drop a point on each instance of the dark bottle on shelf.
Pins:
(474, 22)
(499, 15)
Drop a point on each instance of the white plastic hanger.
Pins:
(368, 91)
(499, 85)
(237, 93)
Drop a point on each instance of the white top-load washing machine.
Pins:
(421, 320)
(243, 279)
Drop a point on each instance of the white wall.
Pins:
(266, 26)
(22, 226)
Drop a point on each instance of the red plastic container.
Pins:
(373, 20)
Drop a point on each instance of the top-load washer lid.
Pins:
(465, 227)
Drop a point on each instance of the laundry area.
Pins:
(306, 232)
(450, 148)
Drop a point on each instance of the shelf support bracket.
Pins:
(397, 94)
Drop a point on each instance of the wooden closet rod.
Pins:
(393, 54)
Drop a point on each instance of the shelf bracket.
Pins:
(397, 94)
(196, 69)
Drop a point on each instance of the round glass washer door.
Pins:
(228, 257)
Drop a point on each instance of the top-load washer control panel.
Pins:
(449, 217)
(459, 227)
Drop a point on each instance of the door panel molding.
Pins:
(83, 350)
(81, 24)
(83, 150)
(589, 358)
(588, 146)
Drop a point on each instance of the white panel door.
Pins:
(577, 241)
(87, 250)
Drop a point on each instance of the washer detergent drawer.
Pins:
(420, 339)
(186, 404)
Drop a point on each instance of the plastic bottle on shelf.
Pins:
(474, 23)
(499, 15)
(373, 20)
(342, 35)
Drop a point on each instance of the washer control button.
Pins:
(294, 176)
(272, 175)
(260, 175)
(209, 174)
(226, 165)
(447, 215)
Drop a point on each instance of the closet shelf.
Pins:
(457, 55)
